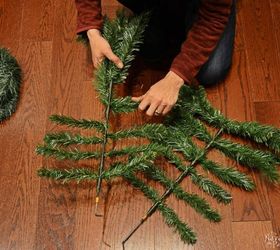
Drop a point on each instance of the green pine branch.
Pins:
(185, 145)
(66, 175)
(197, 203)
(202, 182)
(117, 169)
(125, 37)
(82, 123)
(211, 188)
(123, 105)
(228, 175)
(62, 154)
(151, 131)
(259, 133)
(66, 138)
(265, 162)
(171, 219)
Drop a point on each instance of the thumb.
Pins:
(115, 59)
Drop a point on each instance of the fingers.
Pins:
(100, 48)
(112, 57)
(151, 110)
(152, 106)
(97, 60)
(138, 99)
(167, 109)
(144, 104)
(159, 110)
(99, 56)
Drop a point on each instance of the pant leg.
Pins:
(220, 60)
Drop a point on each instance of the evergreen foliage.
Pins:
(172, 140)
(10, 79)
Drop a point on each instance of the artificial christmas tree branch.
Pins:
(83, 123)
(172, 140)
(171, 218)
(124, 39)
(265, 162)
(198, 105)
(171, 188)
(199, 204)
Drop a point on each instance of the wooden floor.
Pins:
(41, 214)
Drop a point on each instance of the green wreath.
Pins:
(10, 79)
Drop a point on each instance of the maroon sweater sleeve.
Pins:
(202, 38)
(88, 15)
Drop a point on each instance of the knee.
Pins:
(213, 74)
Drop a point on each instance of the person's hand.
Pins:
(162, 96)
(100, 49)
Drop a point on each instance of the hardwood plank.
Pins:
(88, 227)
(261, 50)
(275, 10)
(251, 235)
(70, 98)
(57, 202)
(20, 134)
(9, 207)
(238, 106)
(10, 22)
(233, 98)
(269, 113)
(38, 20)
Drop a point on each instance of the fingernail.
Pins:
(120, 65)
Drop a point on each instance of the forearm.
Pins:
(88, 15)
(202, 38)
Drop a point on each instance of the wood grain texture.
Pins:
(41, 14)
(41, 214)
(268, 113)
(251, 235)
(11, 22)
(237, 104)
(261, 50)
(18, 140)
(58, 203)
(275, 10)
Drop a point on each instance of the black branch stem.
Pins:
(168, 191)
(103, 152)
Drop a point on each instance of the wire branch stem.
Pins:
(103, 152)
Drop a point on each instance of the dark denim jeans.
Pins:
(165, 25)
